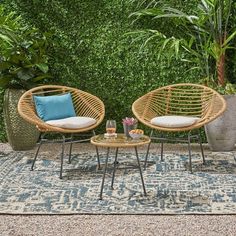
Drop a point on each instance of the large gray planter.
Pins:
(221, 133)
(21, 135)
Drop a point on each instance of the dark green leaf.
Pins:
(43, 67)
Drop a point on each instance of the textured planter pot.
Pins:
(21, 135)
(221, 133)
(127, 128)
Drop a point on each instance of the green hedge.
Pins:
(92, 52)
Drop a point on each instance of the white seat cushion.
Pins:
(76, 122)
(174, 121)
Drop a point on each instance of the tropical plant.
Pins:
(23, 53)
(205, 35)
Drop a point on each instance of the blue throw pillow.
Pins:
(54, 107)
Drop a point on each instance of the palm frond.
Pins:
(203, 35)
(229, 38)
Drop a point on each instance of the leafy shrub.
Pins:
(92, 52)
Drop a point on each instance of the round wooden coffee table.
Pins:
(121, 141)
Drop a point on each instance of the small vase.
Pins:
(127, 128)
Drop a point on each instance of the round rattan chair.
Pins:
(189, 100)
(85, 105)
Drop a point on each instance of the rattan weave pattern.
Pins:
(180, 99)
(85, 104)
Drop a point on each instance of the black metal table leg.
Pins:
(146, 157)
(144, 190)
(104, 173)
(98, 158)
(114, 170)
(147, 153)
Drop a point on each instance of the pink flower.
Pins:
(129, 121)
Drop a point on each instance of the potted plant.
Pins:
(23, 65)
(204, 37)
(129, 123)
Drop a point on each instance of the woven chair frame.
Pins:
(85, 104)
(184, 99)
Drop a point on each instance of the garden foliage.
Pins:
(91, 50)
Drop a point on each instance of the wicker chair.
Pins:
(85, 105)
(189, 100)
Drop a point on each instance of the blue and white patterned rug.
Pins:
(171, 189)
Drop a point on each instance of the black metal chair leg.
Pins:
(114, 170)
(62, 154)
(162, 147)
(202, 151)
(98, 157)
(189, 152)
(37, 152)
(71, 143)
(147, 153)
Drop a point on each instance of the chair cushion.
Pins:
(174, 121)
(54, 107)
(77, 122)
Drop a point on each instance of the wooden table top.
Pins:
(120, 141)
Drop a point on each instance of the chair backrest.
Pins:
(85, 104)
(180, 99)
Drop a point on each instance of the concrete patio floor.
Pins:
(116, 224)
